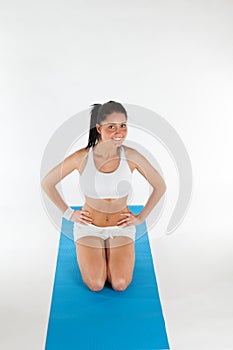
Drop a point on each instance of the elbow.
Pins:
(45, 185)
(164, 187)
(43, 182)
(161, 187)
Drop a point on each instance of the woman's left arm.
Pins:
(156, 181)
(154, 178)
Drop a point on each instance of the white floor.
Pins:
(194, 275)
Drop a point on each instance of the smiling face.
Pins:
(113, 128)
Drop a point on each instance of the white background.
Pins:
(173, 57)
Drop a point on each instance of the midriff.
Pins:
(106, 214)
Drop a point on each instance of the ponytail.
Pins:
(93, 133)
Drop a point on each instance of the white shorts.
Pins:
(82, 230)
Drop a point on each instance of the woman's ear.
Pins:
(98, 128)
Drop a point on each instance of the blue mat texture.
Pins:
(81, 319)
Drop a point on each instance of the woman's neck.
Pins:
(104, 149)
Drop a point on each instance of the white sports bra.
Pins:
(97, 184)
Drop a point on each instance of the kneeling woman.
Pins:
(104, 229)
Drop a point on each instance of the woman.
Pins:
(104, 229)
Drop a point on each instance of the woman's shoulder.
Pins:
(135, 156)
(78, 157)
(82, 151)
(132, 156)
(131, 152)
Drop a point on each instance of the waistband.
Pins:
(102, 227)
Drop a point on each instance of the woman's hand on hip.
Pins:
(81, 216)
(129, 220)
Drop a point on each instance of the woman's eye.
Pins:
(112, 127)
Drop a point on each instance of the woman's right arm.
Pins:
(58, 173)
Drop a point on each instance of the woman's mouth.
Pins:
(117, 138)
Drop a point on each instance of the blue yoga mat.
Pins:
(81, 319)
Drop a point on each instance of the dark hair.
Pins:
(98, 114)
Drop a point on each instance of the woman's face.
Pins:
(113, 128)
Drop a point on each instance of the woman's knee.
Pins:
(95, 284)
(120, 284)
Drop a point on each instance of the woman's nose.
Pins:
(119, 129)
(118, 132)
